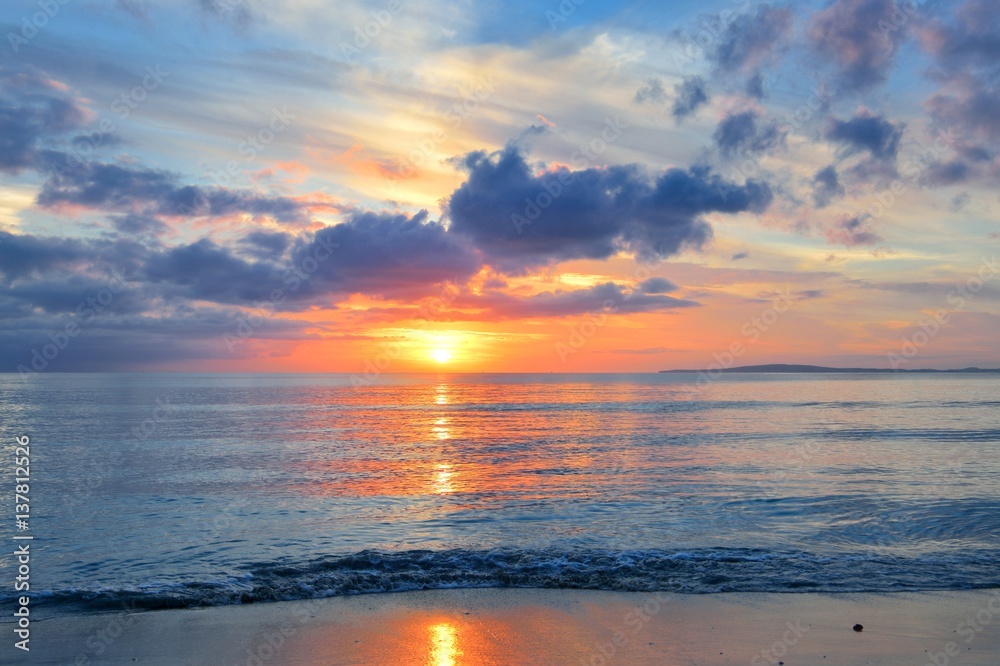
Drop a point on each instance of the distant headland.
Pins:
(785, 367)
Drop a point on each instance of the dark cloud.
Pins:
(755, 86)
(380, 255)
(117, 339)
(742, 133)
(205, 271)
(115, 187)
(970, 107)
(657, 285)
(387, 255)
(33, 110)
(826, 186)
(867, 131)
(689, 95)
(969, 39)
(607, 297)
(136, 224)
(27, 257)
(267, 244)
(953, 171)
(739, 255)
(750, 40)
(852, 232)
(848, 33)
(966, 49)
(518, 219)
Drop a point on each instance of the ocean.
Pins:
(177, 490)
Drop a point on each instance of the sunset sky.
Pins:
(521, 186)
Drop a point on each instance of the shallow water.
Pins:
(184, 489)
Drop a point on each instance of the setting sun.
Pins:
(441, 355)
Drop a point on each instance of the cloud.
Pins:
(206, 271)
(377, 254)
(953, 171)
(114, 187)
(651, 91)
(234, 12)
(755, 86)
(689, 95)
(267, 244)
(750, 40)
(739, 255)
(518, 219)
(966, 49)
(25, 256)
(866, 131)
(605, 297)
(136, 224)
(853, 231)
(33, 110)
(971, 40)
(742, 133)
(848, 33)
(826, 186)
(657, 285)
(389, 255)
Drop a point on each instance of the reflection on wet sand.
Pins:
(444, 649)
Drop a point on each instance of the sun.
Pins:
(441, 355)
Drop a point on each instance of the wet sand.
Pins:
(514, 626)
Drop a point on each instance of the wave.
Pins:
(701, 571)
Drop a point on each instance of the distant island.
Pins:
(784, 367)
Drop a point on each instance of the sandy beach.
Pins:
(523, 626)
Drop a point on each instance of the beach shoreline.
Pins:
(539, 626)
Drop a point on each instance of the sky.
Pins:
(574, 186)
